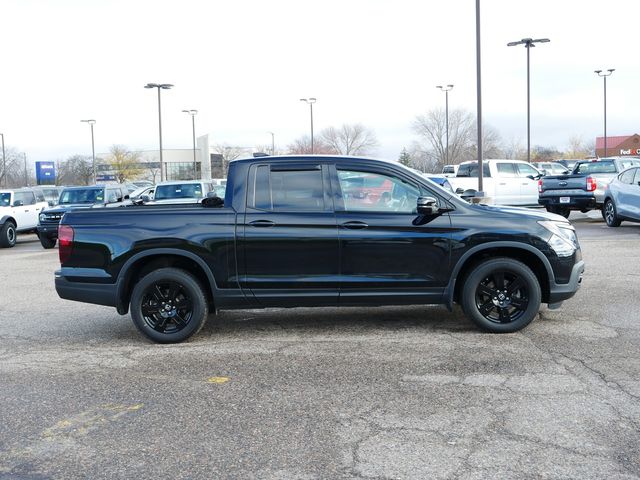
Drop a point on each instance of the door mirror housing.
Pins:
(427, 206)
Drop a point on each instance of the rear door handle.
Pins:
(354, 225)
(262, 223)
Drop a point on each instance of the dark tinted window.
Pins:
(627, 176)
(294, 190)
(263, 188)
(471, 170)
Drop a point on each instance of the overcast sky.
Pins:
(244, 65)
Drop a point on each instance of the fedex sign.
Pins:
(630, 151)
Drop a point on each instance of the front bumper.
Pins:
(559, 292)
(49, 231)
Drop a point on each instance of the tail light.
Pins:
(591, 184)
(540, 186)
(65, 242)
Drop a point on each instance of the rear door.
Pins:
(507, 184)
(289, 240)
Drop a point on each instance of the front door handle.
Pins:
(354, 225)
(262, 223)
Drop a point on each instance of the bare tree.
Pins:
(302, 146)
(514, 150)
(228, 153)
(125, 163)
(348, 139)
(430, 151)
(578, 148)
(153, 170)
(14, 174)
(75, 170)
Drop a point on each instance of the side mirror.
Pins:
(211, 194)
(427, 205)
(18, 203)
(50, 203)
(126, 197)
(145, 198)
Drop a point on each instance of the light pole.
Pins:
(273, 144)
(604, 76)
(193, 114)
(160, 86)
(528, 43)
(446, 91)
(310, 101)
(4, 162)
(91, 123)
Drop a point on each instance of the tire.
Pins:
(47, 242)
(610, 213)
(564, 211)
(169, 305)
(7, 235)
(501, 295)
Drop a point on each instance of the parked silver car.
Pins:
(622, 198)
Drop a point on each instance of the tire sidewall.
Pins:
(614, 221)
(47, 242)
(8, 235)
(195, 292)
(507, 265)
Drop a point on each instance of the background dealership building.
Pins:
(626, 145)
(178, 162)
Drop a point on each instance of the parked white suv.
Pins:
(19, 210)
(181, 191)
(505, 182)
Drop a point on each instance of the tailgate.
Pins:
(564, 182)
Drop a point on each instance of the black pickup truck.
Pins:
(317, 231)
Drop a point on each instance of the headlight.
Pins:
(563, 240)
(42, 217)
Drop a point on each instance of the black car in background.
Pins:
(77, 197)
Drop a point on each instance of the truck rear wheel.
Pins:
(169, 305)
(501, 295)
(7, 235)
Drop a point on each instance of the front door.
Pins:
(388, 253)
(528, 177)
(289, 251)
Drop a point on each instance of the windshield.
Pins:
(184, 190)
(85, 195)
(5, 199)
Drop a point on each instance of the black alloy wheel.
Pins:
(611, 214)
(168, 305)
(501, 295)
(7, 235)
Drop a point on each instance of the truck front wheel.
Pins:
(501, 295)
(47, 242)
(169, 305)
(7, 235)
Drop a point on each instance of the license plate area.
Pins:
(565, 199)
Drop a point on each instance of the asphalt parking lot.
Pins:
(411, 392)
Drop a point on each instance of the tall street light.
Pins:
(310, 101)
(446, 91)
(528, 43)
(604, 76)
(273, 144)
(193, 130)
(91, 123)
(160, 86)
(4, 162)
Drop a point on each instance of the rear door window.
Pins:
(290, 189)
(627, 176)
(506, 170)
(471, 170)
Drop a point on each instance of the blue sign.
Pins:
(105, 178)
(46, 173)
